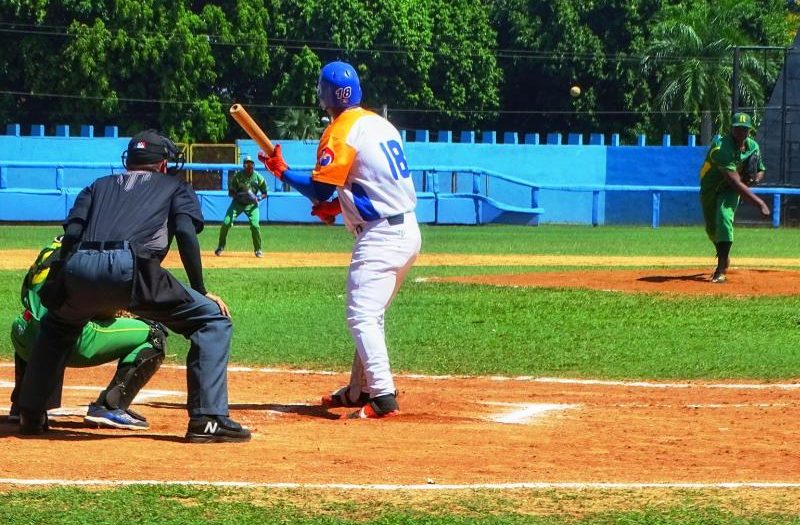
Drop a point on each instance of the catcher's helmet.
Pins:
(338, 86)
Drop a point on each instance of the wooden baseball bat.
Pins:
(243, 118)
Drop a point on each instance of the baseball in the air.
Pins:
(575, 91)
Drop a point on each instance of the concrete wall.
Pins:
(551, 160)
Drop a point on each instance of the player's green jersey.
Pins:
(242, 182)
(724, 156)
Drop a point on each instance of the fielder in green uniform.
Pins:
(721, 187)
(137, 344)
(243, 187)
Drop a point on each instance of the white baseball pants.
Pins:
(382, 255)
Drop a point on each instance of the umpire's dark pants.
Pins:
(99, 282)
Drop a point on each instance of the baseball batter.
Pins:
(361, 157)
(137, 344)
(242, 188)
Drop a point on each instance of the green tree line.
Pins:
(643, 66)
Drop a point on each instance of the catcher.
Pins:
(138, 345)
(242, 188)
(733, 164)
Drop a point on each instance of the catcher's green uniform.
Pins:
(100, 342)
(243, 188)
(138, 345)
(718, 199)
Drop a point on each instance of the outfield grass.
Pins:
(295, 317)
(491, 239)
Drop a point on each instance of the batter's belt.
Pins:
(393, 220)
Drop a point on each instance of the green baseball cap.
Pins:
(742, 120)
(247, 158)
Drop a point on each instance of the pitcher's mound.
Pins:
(693, 281)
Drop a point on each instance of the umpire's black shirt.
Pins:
(140, 207)
(136, 206)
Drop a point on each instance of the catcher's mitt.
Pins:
(246, 197)
(750, 169)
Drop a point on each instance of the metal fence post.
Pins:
(776, 210)
(656, 208)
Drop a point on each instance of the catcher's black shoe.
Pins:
(341, 398)
(33, 423)
(216, 429)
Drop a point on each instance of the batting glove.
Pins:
(327, 210)
(274, 162)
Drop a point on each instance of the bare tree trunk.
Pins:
(706, 128)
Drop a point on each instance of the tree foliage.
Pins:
(643, 65)
(691, 53)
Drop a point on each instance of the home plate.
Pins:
(525, 412)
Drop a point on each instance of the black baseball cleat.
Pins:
(216, 429)
(378, 408)
(33, 423)
(341, 398)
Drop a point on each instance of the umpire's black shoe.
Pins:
(216, 429)
(32, 423)
(13, 413)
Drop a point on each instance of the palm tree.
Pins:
(299, 124)
(691, 55)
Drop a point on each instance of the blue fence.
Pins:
(447, 195)
(473, 177)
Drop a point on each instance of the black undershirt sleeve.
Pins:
(73, 231)
(189, 249)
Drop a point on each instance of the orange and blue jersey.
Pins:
(362, 154)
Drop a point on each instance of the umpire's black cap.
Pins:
(150, 147)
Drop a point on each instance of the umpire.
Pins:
(115, 237)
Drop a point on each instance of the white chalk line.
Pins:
(143, 396)
(409, 487)
(531, 379)
(526, 412)
(701, 405)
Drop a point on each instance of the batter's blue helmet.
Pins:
(338, 86)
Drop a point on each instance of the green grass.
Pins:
(295, 317)
(494, 239)
(180, 505)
